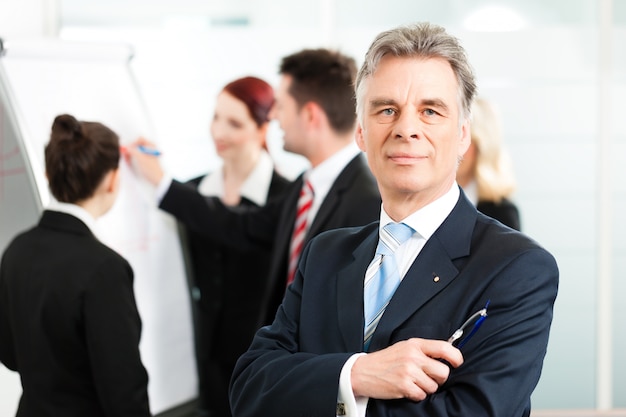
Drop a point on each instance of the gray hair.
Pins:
(422, 40)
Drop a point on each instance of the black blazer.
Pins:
(225, 284)
(352, 200)
(229, 281)
(505, 212)
(69, 323)
(292, 367)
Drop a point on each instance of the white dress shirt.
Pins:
(255, 188)
(323, 176)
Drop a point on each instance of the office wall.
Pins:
(27, 18)
(618, 165)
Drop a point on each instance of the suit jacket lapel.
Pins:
(333, 198)
(350, 301)
(431, 272)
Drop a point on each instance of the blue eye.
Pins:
(388, 112)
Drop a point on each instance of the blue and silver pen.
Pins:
(476, 320)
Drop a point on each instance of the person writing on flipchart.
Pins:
(315, 108)
(368, 326)
(68, 319)
(226, 281)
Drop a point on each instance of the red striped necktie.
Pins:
(300, 228)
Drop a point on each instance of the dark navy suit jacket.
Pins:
(292, 367)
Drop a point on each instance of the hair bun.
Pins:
(66, 127)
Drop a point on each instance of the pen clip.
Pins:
(477, 319)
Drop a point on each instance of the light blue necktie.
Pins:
(382, 277)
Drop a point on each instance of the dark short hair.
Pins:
(256, 94)
(78, 156)
(324, 77)
(421, 40)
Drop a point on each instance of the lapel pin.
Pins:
(435, 278)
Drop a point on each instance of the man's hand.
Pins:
(408, 369)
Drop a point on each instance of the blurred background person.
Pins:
(227, 283)
(486, 172)
(315, 108)
(68, 319)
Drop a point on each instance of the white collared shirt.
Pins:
(323, 176)
(255, 188)
(425, 222)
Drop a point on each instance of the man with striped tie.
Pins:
(382, 320)
(315, 107)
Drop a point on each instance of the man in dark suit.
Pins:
(414, 93)
(315, 107)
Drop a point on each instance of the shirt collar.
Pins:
(255, 188)
(323, 176)
(74, 210)
(427, 220)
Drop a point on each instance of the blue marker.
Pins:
(149, 151)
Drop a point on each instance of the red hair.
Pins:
(256, 94)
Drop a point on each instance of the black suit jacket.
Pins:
(505, 212)
(292, 367)
(226, 283)
(69, 324)
(352, 200)
(229, 284)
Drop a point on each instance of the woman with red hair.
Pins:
(227, 284)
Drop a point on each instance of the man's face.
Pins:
(410, 128)
(289, 117)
